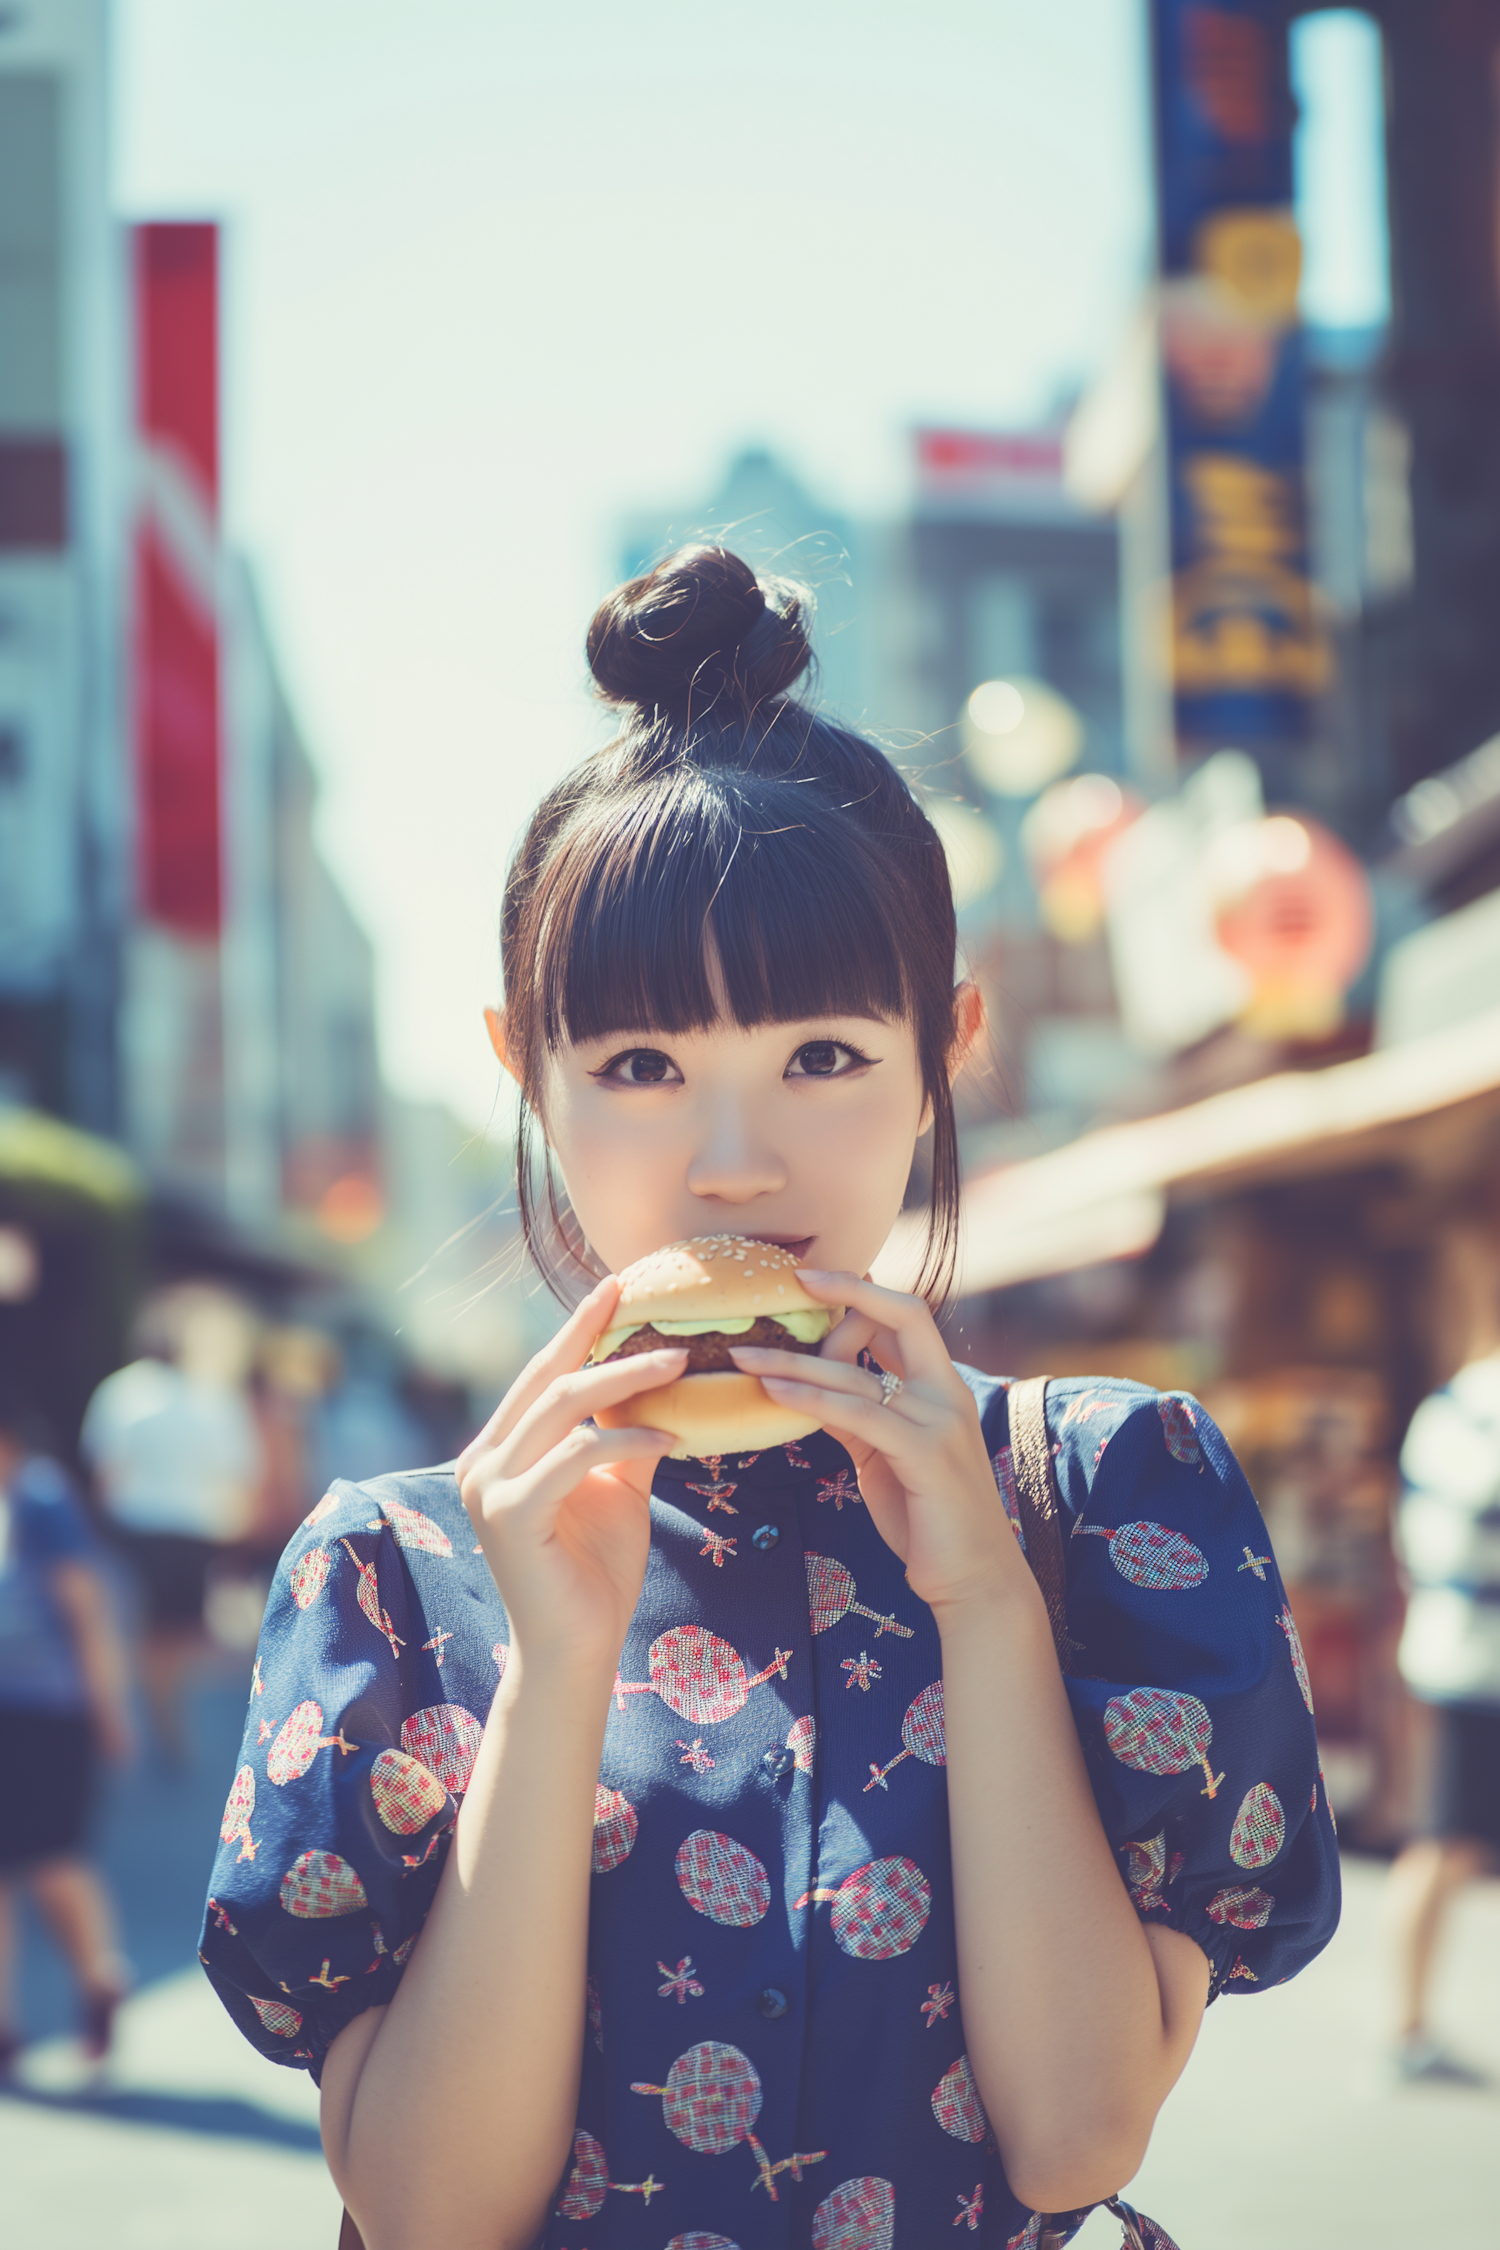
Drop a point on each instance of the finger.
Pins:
(838, 1403)
(568, 1349)
(560, 1472)
(806, 1368)
(908, 1319)
(572, 1397)
(886, 1429)
(857, 1333)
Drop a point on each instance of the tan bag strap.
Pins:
(1041, 1509)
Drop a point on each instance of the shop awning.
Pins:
(45, 1160)
(1105, 1195)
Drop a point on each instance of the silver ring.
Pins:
(889, 1385)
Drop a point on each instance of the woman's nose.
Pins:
(732, 1162)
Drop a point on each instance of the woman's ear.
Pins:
(494, 1019)
(969, 1019)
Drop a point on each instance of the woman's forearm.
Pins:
(453, 2122)
(1074, 2034)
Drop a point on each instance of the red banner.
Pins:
(178, 745)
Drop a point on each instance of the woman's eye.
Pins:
(825, 1058)
(642, 1066)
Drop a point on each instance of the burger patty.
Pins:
(708, 1354)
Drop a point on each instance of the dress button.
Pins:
(772, 2003)
(778, 1761)
(766, 1537)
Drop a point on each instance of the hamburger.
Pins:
(710, 1295)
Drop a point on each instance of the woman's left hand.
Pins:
(920, 1455)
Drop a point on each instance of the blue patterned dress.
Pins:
(776, 2045)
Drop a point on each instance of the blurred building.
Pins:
(189, 1078)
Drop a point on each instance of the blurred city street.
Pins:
(1282, 2131)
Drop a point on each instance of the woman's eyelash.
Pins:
(858, 1059)
(613, 1068)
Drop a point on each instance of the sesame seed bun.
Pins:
(718, 1410)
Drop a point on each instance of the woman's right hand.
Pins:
(561, 1507)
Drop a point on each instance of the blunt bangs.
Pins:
(799, 908)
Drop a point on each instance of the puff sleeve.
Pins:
(1192, 1701)
(382, 1644)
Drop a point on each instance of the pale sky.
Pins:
(497, 275)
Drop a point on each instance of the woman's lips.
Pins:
(798, 1244)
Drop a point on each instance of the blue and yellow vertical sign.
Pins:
(1249, 657)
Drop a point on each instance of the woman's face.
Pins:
(798, 1133)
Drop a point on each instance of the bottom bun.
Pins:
(709, 1414)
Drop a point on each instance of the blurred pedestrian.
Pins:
(63, 1702)
(173, 1447)
(1448, 1534)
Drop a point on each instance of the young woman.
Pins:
(597, 1842)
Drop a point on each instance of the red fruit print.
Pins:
(681, 1982)
(710, 2102)
(310, 1576)
(407, 1795)
(589, 2181)
(446, 1738)
(940, 1998)
(1179, 1423)
(1027, 2238)
(1145, 1871)
(234, 1828)
(298, 1743)
(1003, 1465)
(1243, 1969)
(862, 1669)
(615, 1826)
(722, 1879)
(716, 1545)
(696, 2239)
(369, 1599)
(1243, 1906)
(1259, 1829)
(802, 1741)
(830, 1596)
(1158, 1731)
(319, 1887)
(220, 1918)
(501, 1655)
(1151, 1555)
(971, 2209)
(859, 2215)
(322, 1511)
(694, 1755)
(921, 1732)
(257, 1684)
(878, 1911)
(412, 1529)
(795, 1457)
(1288, 1625)
(280, 2018)
(956, 2104)
(698, 1676)
(1254, 1562)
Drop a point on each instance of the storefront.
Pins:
(1284, 1251)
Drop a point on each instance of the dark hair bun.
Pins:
(699, 629)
